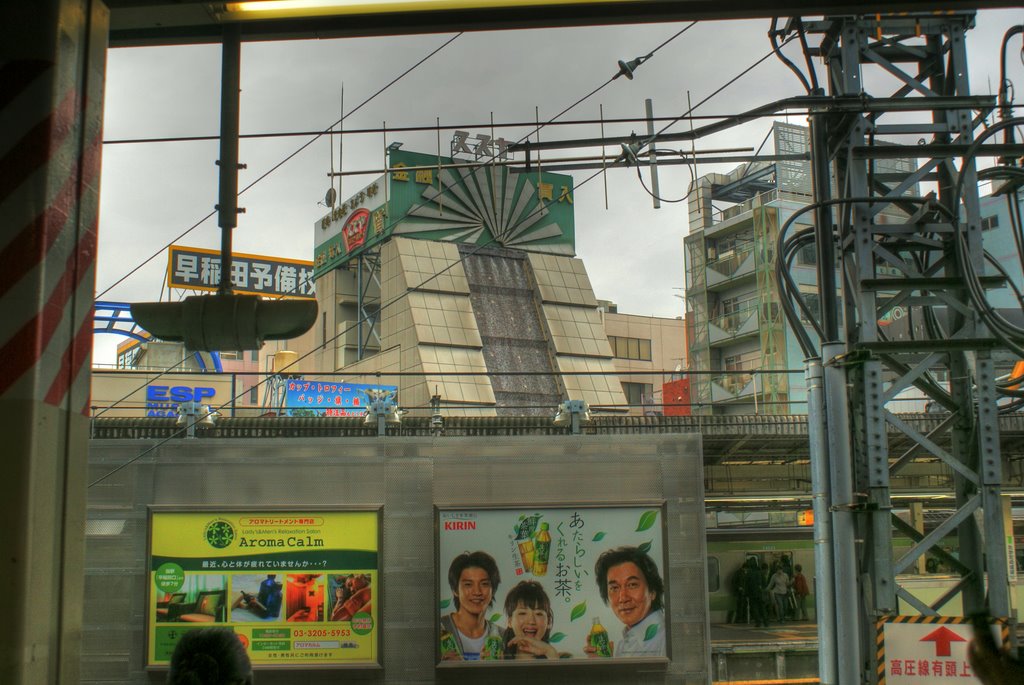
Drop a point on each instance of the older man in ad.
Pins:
(629, 583)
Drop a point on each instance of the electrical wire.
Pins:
(363, 319)
(432, 128)
(603, 85)
(329, 130)
(773, 38)
(650, 140)
(285, 160)
(1008, 333)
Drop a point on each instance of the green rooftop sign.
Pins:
(426, 198)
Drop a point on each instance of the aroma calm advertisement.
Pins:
(566, 583)
(300, 588)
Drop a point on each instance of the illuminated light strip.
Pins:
(780, 681)
(264, 9)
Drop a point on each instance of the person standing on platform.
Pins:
(778, 586)
(755, 588)
(739, 591)
(801, 590)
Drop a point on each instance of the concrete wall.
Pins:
(407, 478)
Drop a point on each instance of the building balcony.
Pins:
(734, 326)
(730, 268)
(733, 386)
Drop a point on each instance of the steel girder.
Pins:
(906, 258)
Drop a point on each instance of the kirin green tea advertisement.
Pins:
(299, 588)
(570, 583)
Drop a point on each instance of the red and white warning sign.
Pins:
(932, 650)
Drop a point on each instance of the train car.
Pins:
(729, 548)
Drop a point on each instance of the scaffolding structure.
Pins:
(914, 262)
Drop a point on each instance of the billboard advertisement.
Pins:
(556, 583)
(468, 203)
(331, 398)
(357, 223)
(299, 587)
(196, 268)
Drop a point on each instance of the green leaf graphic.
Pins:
(445, 603)
(557, 637)
(522, 516)
(645, 547)
(578, 611)
(652, 630)
(494, 618)
(647, 520)
(599, 536)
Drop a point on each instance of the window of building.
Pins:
(740, 303)
(989, 222)
(808, 255)
(813, 301)
(630, 348)
(745, 361)
(638, 393)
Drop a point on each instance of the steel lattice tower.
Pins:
(913, 262)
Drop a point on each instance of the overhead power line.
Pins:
(316, 136)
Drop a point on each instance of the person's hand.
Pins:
(591, 652)
(993, 666)
(534, 647)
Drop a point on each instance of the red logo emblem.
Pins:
(354, 230)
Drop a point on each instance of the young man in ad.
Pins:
(466, 634)
(629, 583)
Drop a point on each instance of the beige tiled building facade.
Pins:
(492, 331)
(646, 350)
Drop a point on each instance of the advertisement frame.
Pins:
(240, 257)
(376, 509)
(610, 664)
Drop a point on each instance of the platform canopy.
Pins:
(162, 22)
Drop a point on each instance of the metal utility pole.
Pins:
(897, 249)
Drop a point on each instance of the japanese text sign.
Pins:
(299, 588)
(193, 268)
(561, 583)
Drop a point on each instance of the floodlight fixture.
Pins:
(572, 414)
(382, 409)
(192, 414)
(436, 419)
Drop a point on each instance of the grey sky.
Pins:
(633, 253)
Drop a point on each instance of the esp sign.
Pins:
(163, 400)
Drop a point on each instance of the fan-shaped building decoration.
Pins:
(436, 198)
